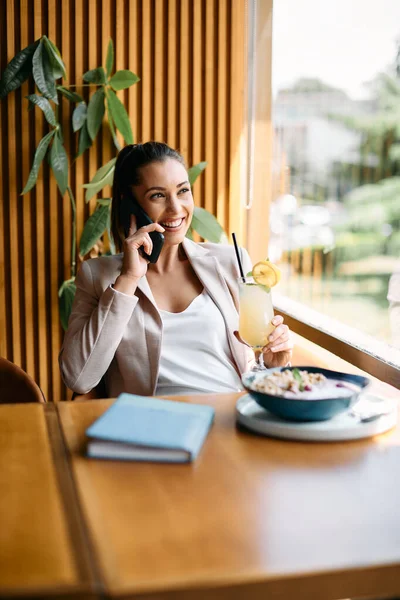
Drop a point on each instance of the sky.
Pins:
(343, 42)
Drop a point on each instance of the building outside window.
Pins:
(335, 210)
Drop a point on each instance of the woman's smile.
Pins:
(172, 224)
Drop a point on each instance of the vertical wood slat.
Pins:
(76, 172)
(65, 112)
(55, 337)
(94, 21)
(41, 275)
(106, 29)
(172, 93)
(197, 99)
(184, 81)
(133, 65)
(189, 55)
(147, 71)
(210, 104)
(66, 205)
(222, 107)
(236, 217)
(159, 74)
(26, 206)
(258, 217)
(13, 212)
(3, 254)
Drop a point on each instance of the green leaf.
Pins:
(123, 79)
(18, 70)
(57, 63)
(111, 125)
(95, 76)
(66, 295)
(79, 116)
(37, 161)
(297, 376)
(45, 106)
(59, 164)
(195, 171)
(104, 176)
(102, 172)
(104, 201)
(43, 74)
(120, 116)
(69, 95)
(84, 140)
(249, 274)
(94, 228)
(189, 233)
(110, 58)
(60, 133)
(206, 225)
(265, 288)
(95, 113)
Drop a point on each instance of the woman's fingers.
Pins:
(140, 238)
(147, 244)
(277, 320)
(146, 228)
(279, 331)
(285, 345)
(280, 338)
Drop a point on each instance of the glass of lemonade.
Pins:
(255, 315)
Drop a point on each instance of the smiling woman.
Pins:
(159, 322)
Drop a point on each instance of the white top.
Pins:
(195, 354)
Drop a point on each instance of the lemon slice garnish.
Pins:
(266, 273)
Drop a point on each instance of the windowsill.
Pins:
(373, 356)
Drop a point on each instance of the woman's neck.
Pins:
(169, 258)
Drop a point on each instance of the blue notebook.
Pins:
(150, 429)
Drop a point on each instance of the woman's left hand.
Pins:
(278, 351)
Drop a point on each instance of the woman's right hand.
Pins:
(134, 264)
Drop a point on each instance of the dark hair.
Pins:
(127, 173)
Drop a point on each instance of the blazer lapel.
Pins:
(208, 270)
(153, 332)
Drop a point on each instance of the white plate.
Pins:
(342, 427)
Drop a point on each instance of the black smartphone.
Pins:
(128, 206)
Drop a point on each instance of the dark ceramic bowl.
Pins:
(296, 409)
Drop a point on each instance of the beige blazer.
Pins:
(119, 337)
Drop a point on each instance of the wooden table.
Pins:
(252, 517)
(43, 551)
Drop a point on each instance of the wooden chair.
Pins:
(16, 385)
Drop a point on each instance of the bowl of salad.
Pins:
(304, 393)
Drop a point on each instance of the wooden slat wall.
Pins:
(191, 56)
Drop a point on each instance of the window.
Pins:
(335, 211)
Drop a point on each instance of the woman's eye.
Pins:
(156, 196)
(184, 190)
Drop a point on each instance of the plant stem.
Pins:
(73, 234)
(81, 85)
(112, 129)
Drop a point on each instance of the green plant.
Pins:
(43, 61)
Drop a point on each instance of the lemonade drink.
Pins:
(255, 313)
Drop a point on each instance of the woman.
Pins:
(162, 328)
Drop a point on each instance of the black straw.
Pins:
(238, 257)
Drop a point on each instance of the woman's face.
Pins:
(165, 195)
